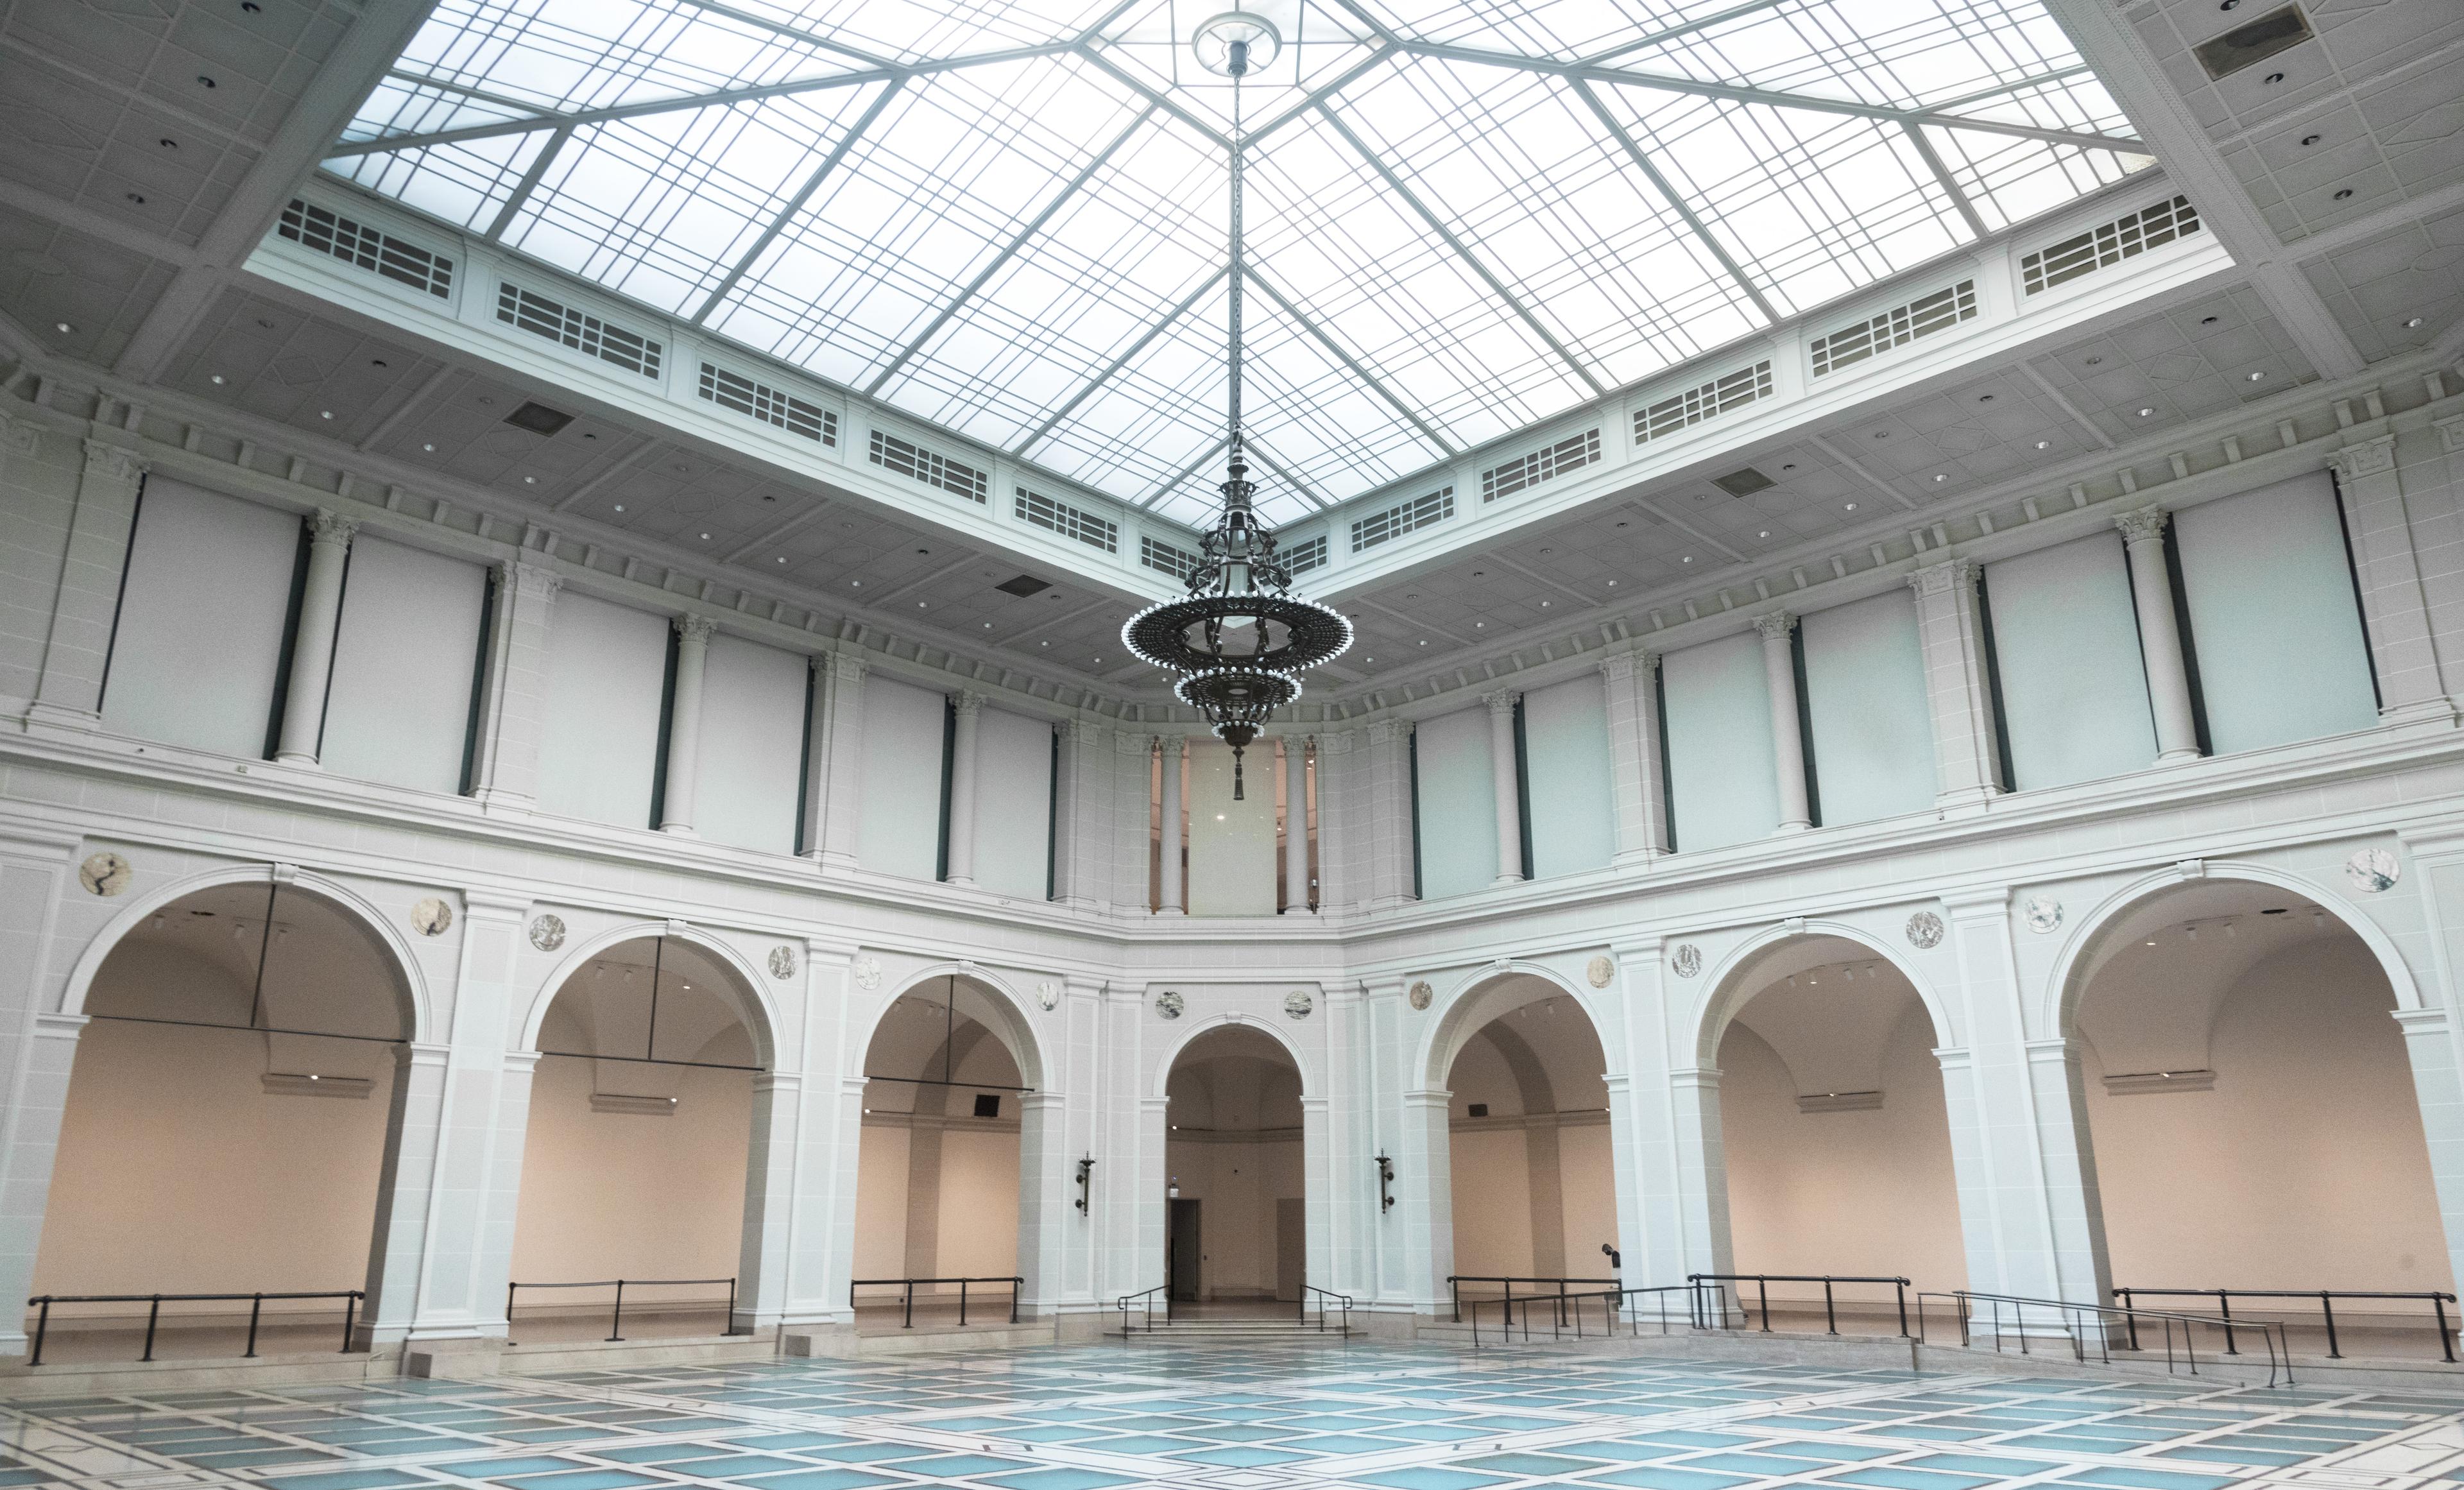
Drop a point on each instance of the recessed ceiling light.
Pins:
(705, 537)
(988, 625)
(1544, 605)
(1848, 507)
(1687, 559)
(2044, 445)
(1612, 585)
(167, 142)
(2344, 194)
(2146, 413)
(858, 584)
(1940, 477)
(1766, 533)
(620, 507)
(1425, 641)
(782, 558)
(919, 604)
(2096, 362)
(1477, 625)
(2255, 377)
(204, 81)
(2413, 322)
(324, 413)
(2309, 140)
(428, 448)
(62, 327)
(218, 380)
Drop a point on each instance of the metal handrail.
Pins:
(1763, 1280)
(1149, 1295)
(616, 1321)
(1455, 1280)
(2326, 1297)
(1569, 1310)
(42, 1304)
(2074, 1319)
(1323, 1295)
(1017, 1285)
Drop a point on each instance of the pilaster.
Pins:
(833, 793)
(1637, 778)
(1779, 631)
(1959, 695)
(2381, 530)
(513, 714)
(312, 645)
(78, 648)
(2160, 632)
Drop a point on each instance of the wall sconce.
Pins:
(1171, 1189)
(1085, 1182)
(1385, 1182)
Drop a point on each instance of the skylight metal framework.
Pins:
(997, 214)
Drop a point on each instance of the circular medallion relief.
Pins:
(104, 874)
(782, 962)
(1298, 1003)
(2043, 913)
(1925, 931)
(1048, 995)
(867, 973)
(1421, 995)
(431, 917)
(2372, 870)
(547, 933)
(1169, 1004)
(1599, 969)
(1688, 959)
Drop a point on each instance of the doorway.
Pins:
(1185, 1263)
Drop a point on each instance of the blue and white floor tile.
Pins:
(1231, 1416)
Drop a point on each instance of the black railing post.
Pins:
(1016, 1287)
(2223, 1306)
(730, 1307)
(2327, 1307)
(153, 1313)
(350, 1317)
(1765, 1285)
(43, 1326)
(2130, 1313)
(255, 1308)
(2438, 1301)
(509, 1310)
(1900, 1286)
(616, 1321)
(1830, 1315)
(910, 1320)
(962, 1302)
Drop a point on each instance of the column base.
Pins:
(1793, 827)
(679, 829)
(1504, 880)
(2425, 711)
(1171, 911)
(960, 882)
(1967, 796)
(303, 762)
(496, 801)
(831, 861)
(57, 718)
(1635, 857)
(2187, 753)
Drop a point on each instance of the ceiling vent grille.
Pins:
(362, 247)
(901, 458)
(528, 310)
(1178, 562)
(1744, 481)
(1307, 555)
(1071, 523)
(2255, 42)
(2108, 242)
(1895, 327)
(760, 401)
(1708, 402)
(1403, 518)
(1545, 464)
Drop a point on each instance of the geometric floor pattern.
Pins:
(1242, 1416)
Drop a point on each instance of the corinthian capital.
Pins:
(696, 628)
(1502, 701)
(2143, 525)
(1943, 579)
(1775, 624)
(326, 526)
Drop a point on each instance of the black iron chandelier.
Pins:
(1238, 641)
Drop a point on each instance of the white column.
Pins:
(2160, 634)
(769, 1193)
(404, 1180)
(1510, 799)
(829, 1145)
(483, 1107)
(1175, 750)
(1296, 889)
(2379, 525)
(1337, 778)
(312, 645)
(1951, 634)
(684, 724)
(37, 1046)
(2438, 1088)
(75, 654)
(1636, 778)
(968, 707)
(514, 696)
(1133, 798)
(832, 796)
(1787, 737)
(1384, 817)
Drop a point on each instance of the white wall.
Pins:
(201, 621)
(606, 683)
(751, 745)
(1456, 812)
(2066, 644)
(1723, 775)
(1013, 803)
(1231, 843)
(399, 709)
(2274, 617)
(1565, 756)
(1865, 699)
(899, 829)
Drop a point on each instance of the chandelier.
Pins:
(1238, 641)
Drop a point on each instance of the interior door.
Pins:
(1182, 1258)
(1291, 1248)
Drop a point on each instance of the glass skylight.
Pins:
(1009, 217)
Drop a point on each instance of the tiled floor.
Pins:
(1242, 1416)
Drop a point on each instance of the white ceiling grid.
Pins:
(1008, 218)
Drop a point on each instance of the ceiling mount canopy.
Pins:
(1237, 642)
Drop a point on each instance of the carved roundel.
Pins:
(2043, 914)
(104, 874)
(1420, 995)
(1925, 931)
(1599, 971)
(1688, 959)
(1047, 996)
(431, 917)
(1298, 1003)
(867, 973)
(782, 962)
(2373, 871)
(547, 933)
(1169, 1004)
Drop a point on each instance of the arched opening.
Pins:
(2252, 1114)
(1532, 1181)
(1836, 1135)
(1236, 1225)
(636, 1157)
(233, 1116)
(938, 1177)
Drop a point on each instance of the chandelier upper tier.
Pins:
(1238, 640)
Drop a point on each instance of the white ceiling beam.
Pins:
(1675, 33)
(1335, 349)
(1671, 519)
(794, 204)
(1943, 178)
(333, 93)
(1678, 204)
(522, 193)
(1850, 464)
(75, 216)
(780, 531)
(1461, 249)
(2061, 400)
(1129, 354)
(402, 410)
(1008, 251)
(809, 39)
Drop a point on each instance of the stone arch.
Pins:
(762, 1015)
(1016, 1028)
(1463, 1011)
(1310, 1090)
(411, 985)
(1729, 984)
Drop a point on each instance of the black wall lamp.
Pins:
(1085, 1183)
(1385, 1182)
